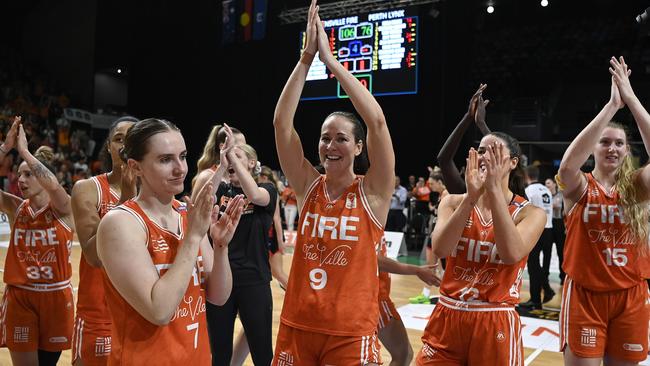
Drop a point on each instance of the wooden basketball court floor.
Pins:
(402, 288)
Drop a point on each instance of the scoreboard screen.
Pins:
(380, 49)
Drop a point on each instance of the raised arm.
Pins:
(59, 198)
(8, 202)
(379, 143)
(571, 178)
(86, 218)
(257, 195)
(513, 240)
(454, 210)
(621, 74)
(128, 264)
(298, 170)
(475, 112)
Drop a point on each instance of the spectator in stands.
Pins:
(396, 219)
(290, 206)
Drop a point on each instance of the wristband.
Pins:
(307, 58)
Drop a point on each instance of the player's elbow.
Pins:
(160, 318)
(512, 257)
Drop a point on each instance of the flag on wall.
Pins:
(229, 22)
(259, 23)
(245, 25)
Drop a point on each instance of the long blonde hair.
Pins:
(210, 156)
(252, 155)
(635, 211)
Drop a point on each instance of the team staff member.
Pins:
(341, 220)
(541, 197)
(37, 308)
(606, 249)
(486, 235)
(249, 261)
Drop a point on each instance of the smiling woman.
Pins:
(349, 211)
(609, 199)
(155, 251)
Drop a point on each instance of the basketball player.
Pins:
(328, 318)
(91, 200)
(392, 332)
(603, 315)
(486, 235)
(160, 266)
(37, 308)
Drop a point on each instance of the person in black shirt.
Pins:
(249, 261)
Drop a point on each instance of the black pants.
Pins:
(538, 274)
(396, 220)
(255, 307)
(559, 234)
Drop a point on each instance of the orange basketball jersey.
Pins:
(91, 303)
(333, 286)
(39, 250)
(474, 272)
(184, 340)
(601, 253)
(384, 277)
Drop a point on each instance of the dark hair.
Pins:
(516, 182)
(361, 162)
(135, 142)
(104, 154)
(533, 172)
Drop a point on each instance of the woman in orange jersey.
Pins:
(37, 308)
(91, 200)
(391, 330)
(486, 235)
(606, 249)
(160, 266)
(330, 308)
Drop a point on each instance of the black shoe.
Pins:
(548, 295)
(531, 305)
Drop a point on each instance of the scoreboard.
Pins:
(380, 49)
